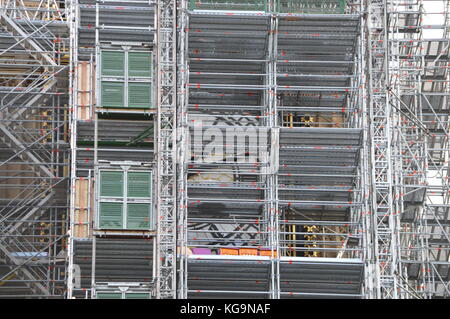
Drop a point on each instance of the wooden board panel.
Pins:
(83, 212)
(85, 90)
(333, 120)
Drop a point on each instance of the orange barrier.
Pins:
(267, 252)
(229, 251)
(248, 251)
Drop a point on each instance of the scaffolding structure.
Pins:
(112, 138)
(295, 148)
(259, 71)
(34, 148)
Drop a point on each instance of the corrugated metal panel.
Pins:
(111, 215)
(138, 216)
(85, 157)
(139, 95)
(118, 260)
(212, 278)
(111, 183)
(137, 296)
(139, 64)
(248, 5)
(139, 184)
(112, 94)
(112, 130)
(317, 278)
(130, 15)
(109, 295)
(318, 6)
(113, 63)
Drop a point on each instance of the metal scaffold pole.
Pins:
(166, 17)
(183, 150)
(383, 228)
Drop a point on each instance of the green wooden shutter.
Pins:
(139, 64)
(138, 216)
(111, 184)
(112, 94)
(135, 295)
(109, 295)
(139, 184)
(113, 63)
(111, 215)
(139, 95)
